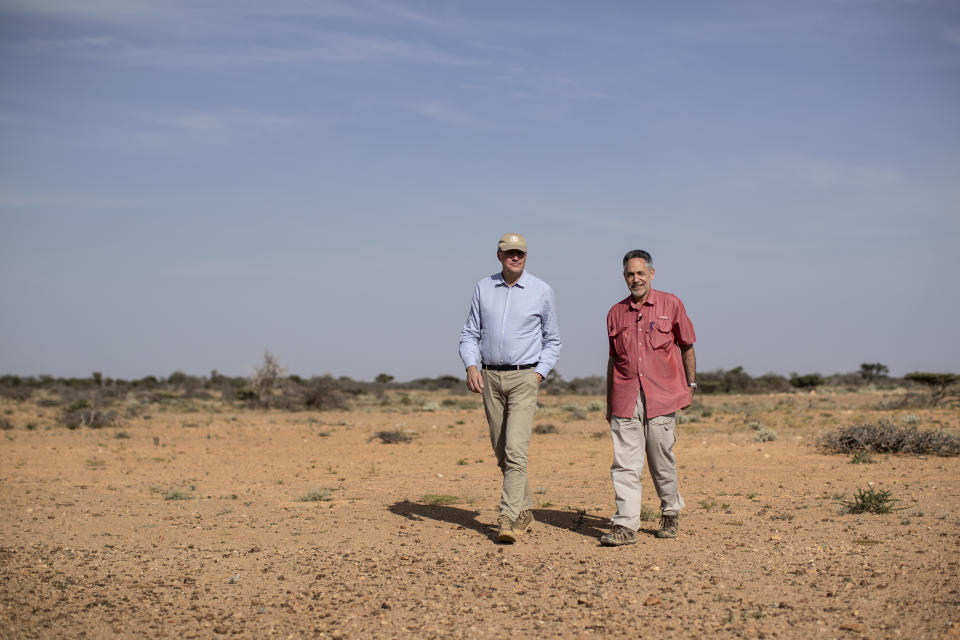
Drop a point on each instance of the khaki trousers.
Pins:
(509, 400)
(634, 438)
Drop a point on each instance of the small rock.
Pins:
(651, 601)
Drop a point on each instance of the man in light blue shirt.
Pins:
(508, 345)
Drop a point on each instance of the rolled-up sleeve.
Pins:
(470, 334)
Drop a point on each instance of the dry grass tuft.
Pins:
(317, 495)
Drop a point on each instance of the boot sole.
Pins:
(611, 543)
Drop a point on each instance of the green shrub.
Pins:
(808, 381)
(869, 500)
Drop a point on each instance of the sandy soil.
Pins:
(194, 526)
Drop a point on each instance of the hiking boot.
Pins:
(618, 536)
(523, 522)
(506, 533)
(669, 526)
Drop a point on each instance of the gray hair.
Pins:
(638, 253)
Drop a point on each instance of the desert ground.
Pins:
(196, 519)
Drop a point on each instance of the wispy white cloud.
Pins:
(329, 47)
(217, 17)
(109, 11)
(448, 114)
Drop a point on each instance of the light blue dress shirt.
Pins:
(511, 325)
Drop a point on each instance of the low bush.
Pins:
(545, 428)
(93, 418)
(869, 500)
(317, 495)
(886, 437)
(576, 412)
(324, 394)
(16, 393)
(808, 381)
(765, 435)
(394, 436)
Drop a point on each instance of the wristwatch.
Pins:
(692, 385)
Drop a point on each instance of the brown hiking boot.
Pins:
(618, 536)
(523, 522)
(669, 526)
(506, 533)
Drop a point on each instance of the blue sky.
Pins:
(184, 184)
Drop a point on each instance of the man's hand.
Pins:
(474, 379)
(539, 377)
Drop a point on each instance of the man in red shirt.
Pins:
(651, 374)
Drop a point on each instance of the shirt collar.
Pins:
(651, 299)
(521, 281)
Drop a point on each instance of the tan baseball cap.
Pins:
(512, 241)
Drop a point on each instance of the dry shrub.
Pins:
(394, 436)
(16, 393)
(545, 428)
(83, 413)
(317, 495)
(765, 435)
(324, 394)
(886, 437)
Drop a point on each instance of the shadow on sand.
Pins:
(577, 521)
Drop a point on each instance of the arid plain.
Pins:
(195, 519)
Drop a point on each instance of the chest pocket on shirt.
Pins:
(619, 339)
(661, 335)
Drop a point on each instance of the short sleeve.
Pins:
(682, 327)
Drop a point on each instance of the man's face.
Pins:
(638, 277)
(513, 262)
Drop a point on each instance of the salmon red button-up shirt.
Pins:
(644, 344)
